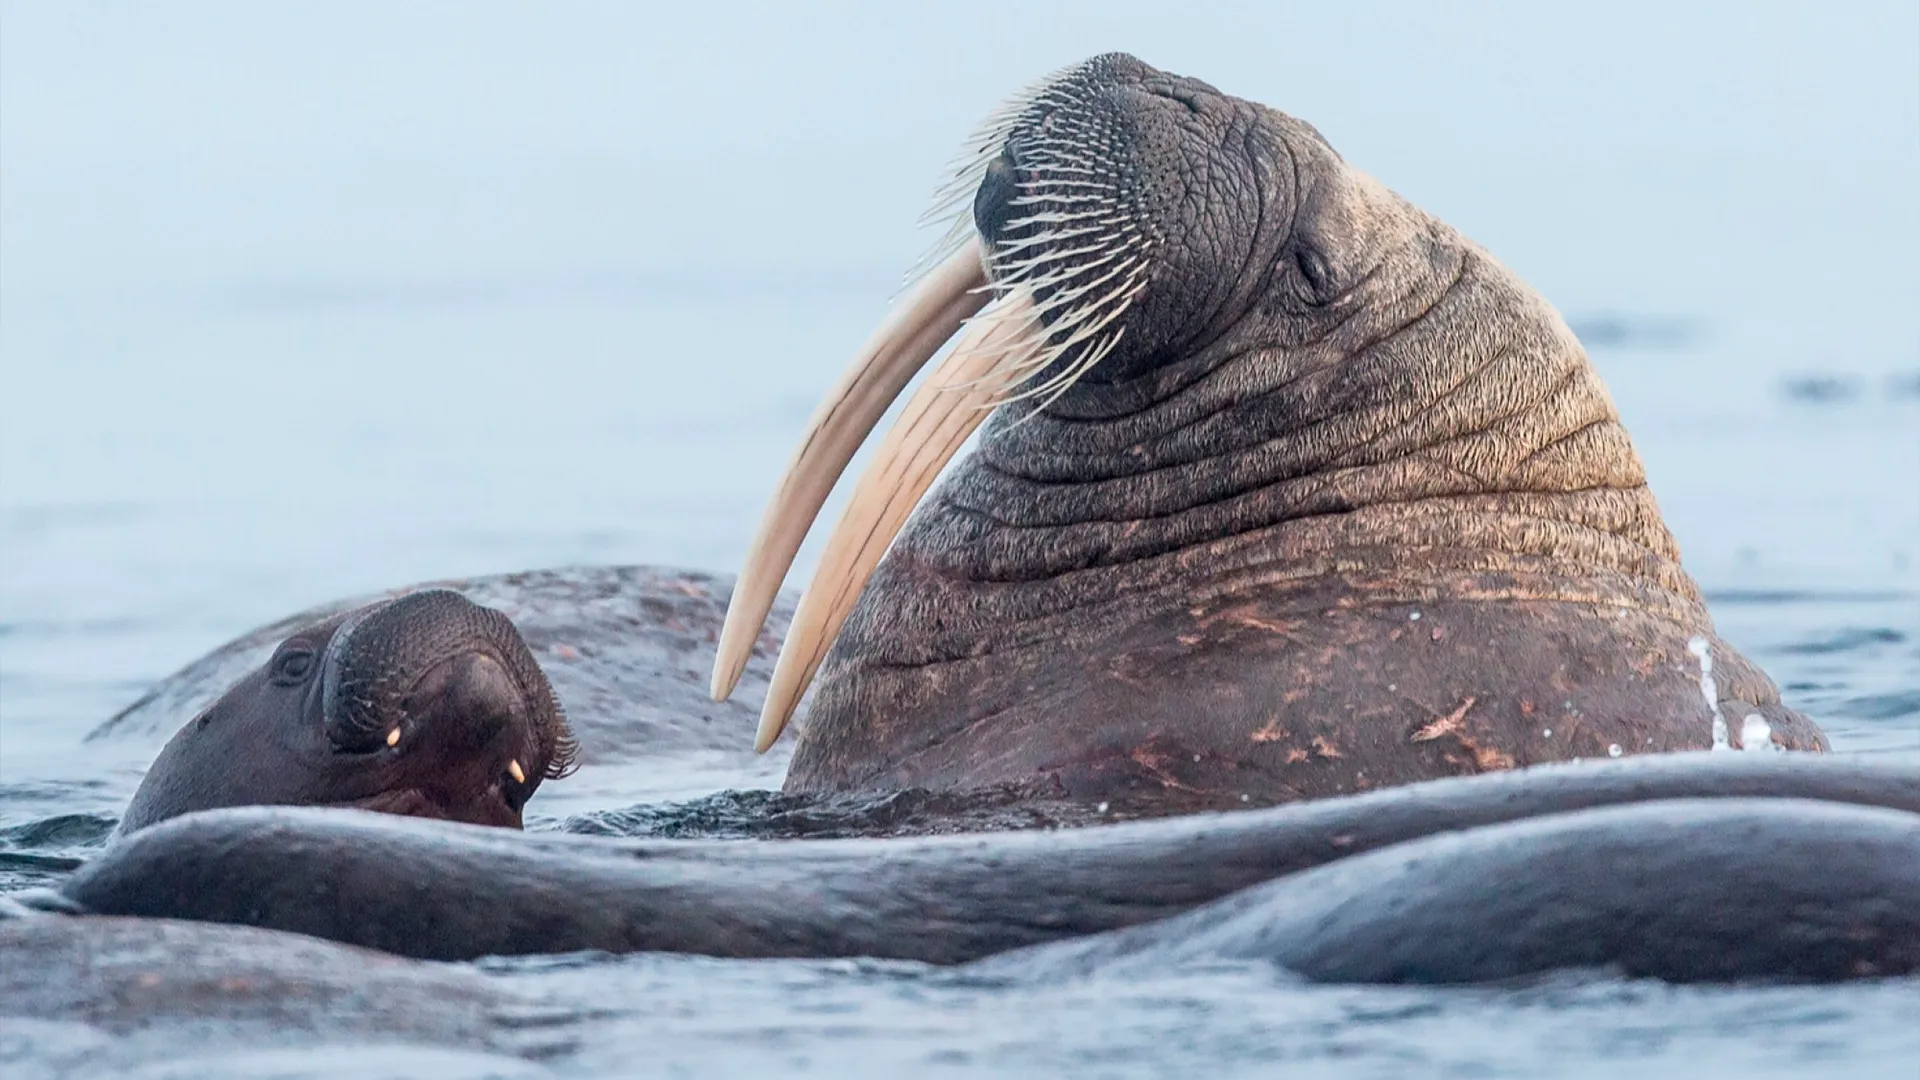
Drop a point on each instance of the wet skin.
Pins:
(426, 705)
(1791, 826)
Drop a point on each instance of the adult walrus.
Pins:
(426, 705)
(1288, 490)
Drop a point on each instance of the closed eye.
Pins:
(293, 665)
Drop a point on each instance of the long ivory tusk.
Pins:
(913, 331)
(947, 407)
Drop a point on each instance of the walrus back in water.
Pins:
(1290, 490)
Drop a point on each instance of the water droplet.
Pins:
(1415, 617)
(1101, 809)
(1546, 733)
(1613, 750)
(1697, 645)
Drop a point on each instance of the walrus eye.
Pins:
(292, 666)
(1315, 272)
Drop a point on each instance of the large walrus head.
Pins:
(1288, 489)
(427, 705)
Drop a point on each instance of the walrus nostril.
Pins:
(993, 202)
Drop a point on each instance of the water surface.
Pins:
(300, 302)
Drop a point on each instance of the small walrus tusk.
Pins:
(947, 407)
(912, 332)
(514, 770)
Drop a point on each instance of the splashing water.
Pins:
(1698, 647)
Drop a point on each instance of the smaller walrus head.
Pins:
(427, 705)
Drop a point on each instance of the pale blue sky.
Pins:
(574, 273)
(1739, 160)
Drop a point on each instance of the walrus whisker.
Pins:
(1055, 256)
(1013, 270)
(969, 165)
(1052, 166)
(1081, 322)
(1060, 383)
(961, 231)
(931, 428)
(913, 331)
(1069, 296)
(1104, 245)
(1084, 318)
(1009, 247)
(1066, 296)
(1049, 217)
(1078, 328)
(1034, 198)
(1019, 355)
(1049, 302)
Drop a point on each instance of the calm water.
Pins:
(305, 301)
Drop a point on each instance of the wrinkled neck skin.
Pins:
(1446, 393)
(1436, 438)
(1451, 402)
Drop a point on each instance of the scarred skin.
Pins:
(1347, 507)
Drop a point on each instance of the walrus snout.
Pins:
(472, 696)
(447, 694)
(473, 732)
(993, 205)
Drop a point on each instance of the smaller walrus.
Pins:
(427, 705)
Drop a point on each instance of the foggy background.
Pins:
(304, 299)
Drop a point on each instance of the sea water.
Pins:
(295, 305)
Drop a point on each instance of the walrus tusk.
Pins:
(947, 407)
(514, 770)
(912, 332)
